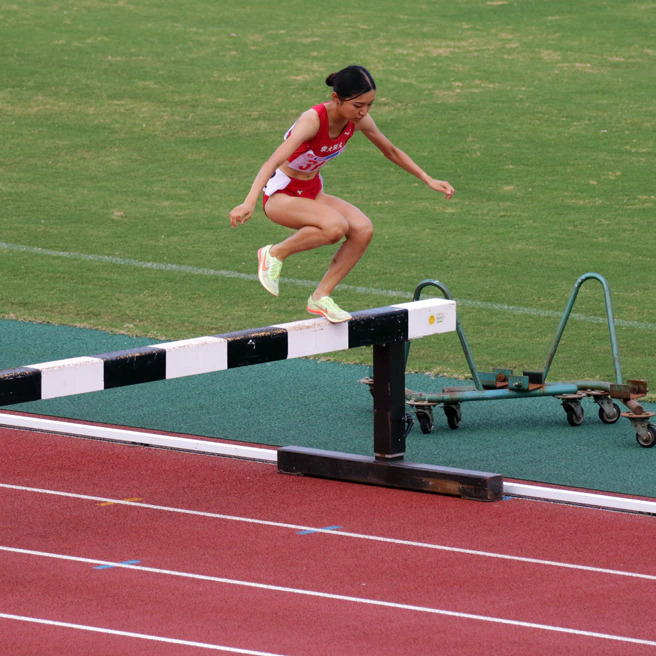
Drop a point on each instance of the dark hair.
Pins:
(351, 82)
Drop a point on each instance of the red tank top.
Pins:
(313, 154)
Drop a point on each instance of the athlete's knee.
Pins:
(362, 231)
(368, 231)
(336, 230)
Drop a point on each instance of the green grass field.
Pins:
(131, 128)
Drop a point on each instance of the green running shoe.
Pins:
(268, 269)
(327, 308)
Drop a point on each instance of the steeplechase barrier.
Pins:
(386, 329)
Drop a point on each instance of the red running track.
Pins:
(396, 577)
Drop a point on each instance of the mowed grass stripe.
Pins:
(160, 266)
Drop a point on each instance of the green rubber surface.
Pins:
(321, 405)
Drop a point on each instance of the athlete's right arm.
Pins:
(304, 129)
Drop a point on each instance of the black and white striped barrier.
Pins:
(387, 329)
(190, 357)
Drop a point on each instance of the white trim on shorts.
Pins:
(277, 182)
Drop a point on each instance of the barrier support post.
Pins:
(388, 467)
(389, 401)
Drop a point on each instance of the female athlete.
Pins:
(293, 188)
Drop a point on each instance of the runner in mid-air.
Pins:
(293, 188)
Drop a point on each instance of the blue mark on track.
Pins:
(125, 562)
(325, 528)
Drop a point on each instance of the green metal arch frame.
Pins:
(566, 314)
(559, 331)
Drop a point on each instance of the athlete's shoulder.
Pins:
(311, 116)
(318, 113)
(306, 126)
(320, 109)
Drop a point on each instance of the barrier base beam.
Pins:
(353, 468)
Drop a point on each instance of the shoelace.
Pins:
(274, 269)
(330, 305)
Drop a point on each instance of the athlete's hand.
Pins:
(241, 214)
(442, 186)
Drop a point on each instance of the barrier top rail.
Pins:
(395, 323)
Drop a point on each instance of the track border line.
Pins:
(124, 435)
(514, 489)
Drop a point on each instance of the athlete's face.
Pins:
(356, 109)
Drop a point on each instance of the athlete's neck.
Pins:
(336, 122)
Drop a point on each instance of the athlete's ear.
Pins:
(336, 99)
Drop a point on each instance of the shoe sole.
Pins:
(325, 316)
(260, 264)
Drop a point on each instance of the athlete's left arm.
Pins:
(394, 154)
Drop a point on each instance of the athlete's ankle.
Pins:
(274, 253)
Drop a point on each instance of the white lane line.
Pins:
(337, 597)
(157, 266)
(130, 634)
(359, 536)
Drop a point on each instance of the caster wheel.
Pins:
(612, 417)
(453, 416)
(574, 418)
(647, 440)
(425, 420)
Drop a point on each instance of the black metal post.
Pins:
(389, 401)
(388, 467)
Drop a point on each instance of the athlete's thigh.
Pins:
(356, 218)
(297, 213)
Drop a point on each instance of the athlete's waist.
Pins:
(297, 175)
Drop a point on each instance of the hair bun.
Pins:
(351, 82)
